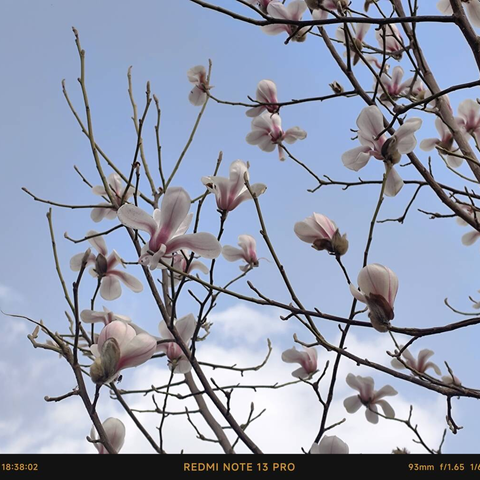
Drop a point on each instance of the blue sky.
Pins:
(41, 141)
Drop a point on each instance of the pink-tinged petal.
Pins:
(319, 14)
(352, 404)
(380, 280)
(423, 356)
(307, 231)
(136, 218)
(293, 134)
(278, 10)
(115, 183)
(296, 9)
(292, 355)
(197, 74)
(468, 110)
(257, 190)
(95, 351)
(445, 7)
(184, 226)
(406, 140)
(356, 158)
(164, 331)
(274, 29)
(98, 242)
(76, 261)
(330, 445)
(361, 30)
(470, 238)
(370, 122)
(397, 75)
(408, 356)
(371, 415)
(197, 97)
(237, 175)
(137, 351)
(326, 225)
(182, 366)
(110, 288)
(175, 207)
(157, 215)
(357, 294)
(354, 381)
(300, 373)
(340, 34)
(128, 280)
(186, 327)
(203, 244)
(232, 254)
(98, 214)
(115, 431)
(255, 137)
(122, 318)
(196, 265)
(120, 331)
(249, 245)
(434, 367)
(255, 112)
(90, 316)
(394, 183)
(473, 9)
(99, 190)
(386, 391)
(387, 408)
(113, 260)
(429, 144)
(266, 92)
(365, 385)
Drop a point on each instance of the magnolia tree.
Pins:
(174, 258)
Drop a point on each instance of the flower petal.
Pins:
(394, 183)
(175, 207)
(371, 414)
(387, 408)
(386, 391)
(128, 280)
(352, 404)
(232, 254)
(186, 327)
(356, 158)
(330, 445)
(203, 244)
(137, 351)
(357, 294)
(470, 238)
(429, 144)
(110, 288)
(197, 96)
(98, 242)
(115, 431)
(134, 217)
(473, 9)
(293, 134)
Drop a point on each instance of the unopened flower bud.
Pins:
(389, 150)
(86, 256)
(336, 87)
(339, 243)
(380, 312)
(101, 265)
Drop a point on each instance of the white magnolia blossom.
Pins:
(181, 262)
(268, 134)
(378, 289)
(330, 445)
(115, 431)
(369, 398)
(389, 150)
(198, 76)
(321, 7)
(448, 380)
(105, 317)
(393, 87)
(105, 269)
(472, 236)
(117, 188)
(307, 359)
(293, 11)
(231, 192)
(247, 252)
(266, 93)
(322, 233)
(261, 4)
(473, 9)
(357, 33)
(389, 36)
(119, 346)
(167, 229)
(419, 364)
(469, 118)
(445, 142)
(177, 360)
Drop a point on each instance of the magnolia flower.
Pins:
(180, 262)
(469, 118)
(266, 93)
(359, 32)
(118, 347)
(167, 229)
(378, 289)
(329, 445)
(177, 360)
(445, 142)
(420, 364)
(105, 270)
(368, 397)
(115, 431)
(322, 233)
(370, 126)
(198, 76)
(473, 9)
(231, 192)
(105, 317)
(293, 11)
(473, 235)
(247, 252)
(307, 360)
(267, 133)
(261, 4)
(320, 7)
(390, 37)
(115, 184)
(393, 87)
